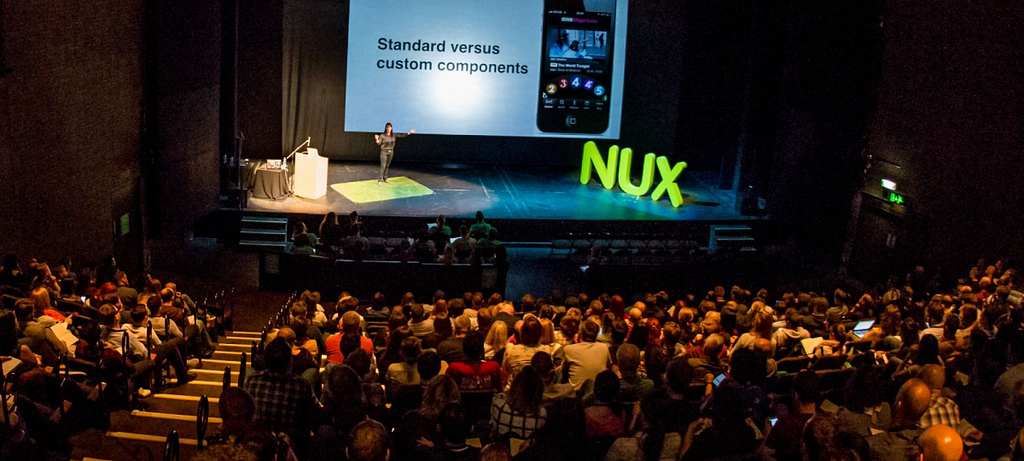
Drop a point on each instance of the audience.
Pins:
(684, 377)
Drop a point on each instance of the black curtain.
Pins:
(315, 51)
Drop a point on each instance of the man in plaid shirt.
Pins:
(941, 410)
(284, 401)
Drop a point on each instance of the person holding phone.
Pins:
(386, 141)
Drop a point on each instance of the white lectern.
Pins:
(310, 175)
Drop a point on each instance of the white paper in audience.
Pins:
(810, 343)
(65, 336)
(11, 364)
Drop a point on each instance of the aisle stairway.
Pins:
(140, 435)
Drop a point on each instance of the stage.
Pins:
(506, 192)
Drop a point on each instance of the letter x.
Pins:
(668, 182)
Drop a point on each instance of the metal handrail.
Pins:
(241, 369)
(171, 447)
(202, 421)
(227, 378)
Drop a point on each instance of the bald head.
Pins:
(941, 443)
(911, 402)
(635, 314)
(933, 375)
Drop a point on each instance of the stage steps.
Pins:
(140, 434)
(731, 237)
(263, 233)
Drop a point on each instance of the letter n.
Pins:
(605, 171)
(646, 179)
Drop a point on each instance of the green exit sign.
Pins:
(895, 198)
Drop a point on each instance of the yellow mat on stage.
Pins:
(369, 191)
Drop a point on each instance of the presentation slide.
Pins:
(534, 68)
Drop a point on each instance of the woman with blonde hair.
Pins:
(497, 339)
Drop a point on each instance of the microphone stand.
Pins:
(284, 162)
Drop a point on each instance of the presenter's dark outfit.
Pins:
(387, 152)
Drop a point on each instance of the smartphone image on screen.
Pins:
(718, 380)
(576, 66)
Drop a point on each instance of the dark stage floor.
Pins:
(512, 193)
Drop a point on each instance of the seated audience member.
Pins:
(496, 342)
(761, 328)
(728, 421)
(489, 249)
(314, 311)
(330, 231)
(454, 428)
(284, 401)
(941, 443)
(140, 365)
(822, 440)
(369, 442)
(168, 352)
(355, 245)
(787, 338)
(898, 442)
(475, 374)
(420, 322)
(671, 336)
(815, 322)
(350, 324)
(518, 356)
(941, 409)
(480, 228)
(44, 311)
(404, 372)
(40, 339)
(783, 440)
(344, 406)
(506, 312)
(237, 412)
(863, 408)
(710, 361)
(362, 363)
(935, 313)
(442, 331)
(541, 362)
(518, 412)
(422, 424)
(495, 451)
(605, 417)
(569, 327)
(452, 349)
(656, 441)
(464, 245)
(678, 376)
(397, 332)
(633, 387)
(585, 359)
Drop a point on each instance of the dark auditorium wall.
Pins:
(951, 114)
(70, 112)
(830, 53)
(183, 87)
(111, 108)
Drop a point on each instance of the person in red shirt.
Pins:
(475, 374)
(350, 323)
